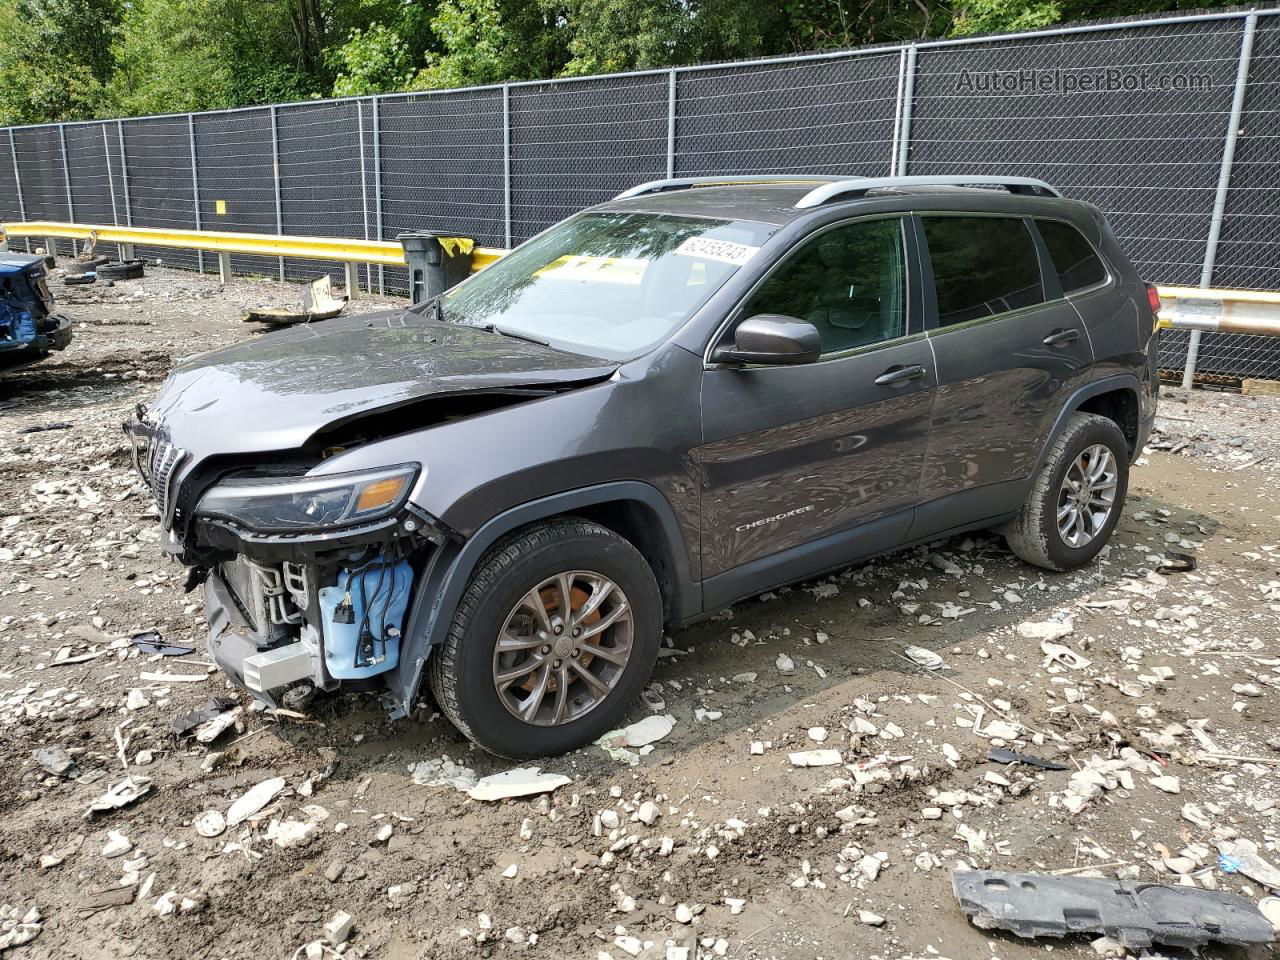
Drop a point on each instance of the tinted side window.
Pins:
(982, 266)
(850, 283)
(1077, 262)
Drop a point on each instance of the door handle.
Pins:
(1059, 337)
(900, 374)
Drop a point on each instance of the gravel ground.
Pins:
(714, 841)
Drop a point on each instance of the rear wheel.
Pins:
(1076, 498)
(554, 638)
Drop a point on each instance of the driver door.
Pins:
(804, 467)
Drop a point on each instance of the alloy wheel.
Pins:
(563, 648)
(1087, 495)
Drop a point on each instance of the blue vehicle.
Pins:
(28, 327)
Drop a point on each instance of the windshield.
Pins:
(607, 284)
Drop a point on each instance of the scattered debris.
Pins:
(924, 657)
(520, 782)
(121, 795)
(254, 800)
(1001, 755)
(1136, 915)
(213, 708)
(152, 643)
(815, 758)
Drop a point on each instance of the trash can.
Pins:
(437, 261)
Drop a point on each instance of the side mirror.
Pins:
(771, 338)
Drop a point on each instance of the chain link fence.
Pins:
(1134, 116)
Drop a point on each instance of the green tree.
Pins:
(55, 57)
(491, 41)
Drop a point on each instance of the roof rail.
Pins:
(684, 183)
(850, 187)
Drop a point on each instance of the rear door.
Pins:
(1009, 350)
(795, 454)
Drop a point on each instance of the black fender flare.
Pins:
(1122, 381)
(449, 568)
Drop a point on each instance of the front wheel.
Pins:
(553, 639)
(1076, 498)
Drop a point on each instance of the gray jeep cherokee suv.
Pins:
(686, 396)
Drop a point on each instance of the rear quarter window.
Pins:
(982, 266)
(1077, 262)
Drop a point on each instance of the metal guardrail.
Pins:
(341, 249)
(1202, 310)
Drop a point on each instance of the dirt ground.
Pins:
(750, 856)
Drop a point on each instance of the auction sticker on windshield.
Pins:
(724, 251)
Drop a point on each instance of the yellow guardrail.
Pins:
(385, 252)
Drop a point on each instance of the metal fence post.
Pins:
(195, 184)
(1224, 182)
(111, 183)
(17, 182)
(66, 180)
(124, 176)
(364, 191)
(275, 179)
(506, 162)
(897, 114)
(908, 96)
(377, 189)
(671, 124)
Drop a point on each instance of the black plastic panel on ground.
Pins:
(1149, 158)
(574, 145)
(236, 171)
(441, 159)
(821, 116)
(1249, 247)
(160, 192)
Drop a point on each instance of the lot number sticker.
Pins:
(724, 251)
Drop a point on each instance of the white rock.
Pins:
(338, 929)
(511, 871)
(684, 914)
(815, 758)
(1167, 784)
(519, 782)
(291, 833)
(648, 813)
(735, 905)
(757, 748)
(818, 734)
(117, 844)
(785, 664)
(609, 819)
(644, 732)
(136, 699)
(1046, 630)
(254, 800)
(870, 919)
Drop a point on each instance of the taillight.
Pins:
(1153, 298)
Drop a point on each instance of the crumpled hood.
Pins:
(275, 391)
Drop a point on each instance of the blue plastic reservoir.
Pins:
(386, 603)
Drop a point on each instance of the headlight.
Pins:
(309, 503)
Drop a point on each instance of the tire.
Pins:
(121, 270)
(76, 279)
(77, 267)
(462, 672)
(1035, 535)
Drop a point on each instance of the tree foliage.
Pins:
(77, 59)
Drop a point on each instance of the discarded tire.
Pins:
(121, 270)
(75, 279)
(77, 267)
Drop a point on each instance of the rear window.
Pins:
(1078, 263)
(982, 266)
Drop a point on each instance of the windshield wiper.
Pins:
(494, 328)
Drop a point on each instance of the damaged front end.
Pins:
(28, 327)
(307, 579)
